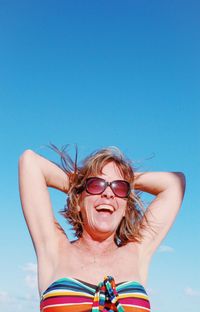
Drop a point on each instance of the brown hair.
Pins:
(130, 226)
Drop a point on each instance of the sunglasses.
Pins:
(96, 186)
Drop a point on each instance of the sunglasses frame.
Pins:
(106, 184)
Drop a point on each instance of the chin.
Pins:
(105, 230)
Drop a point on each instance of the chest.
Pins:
(122, 264)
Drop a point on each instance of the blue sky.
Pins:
(99, 73)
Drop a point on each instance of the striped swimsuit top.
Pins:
(73, 295)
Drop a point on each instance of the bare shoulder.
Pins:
(50, 261)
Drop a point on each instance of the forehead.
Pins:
(111, 171)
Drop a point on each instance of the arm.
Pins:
(35, 175)
(168, 187)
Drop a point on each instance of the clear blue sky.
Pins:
(99, 73)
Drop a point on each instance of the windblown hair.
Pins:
(129, 229)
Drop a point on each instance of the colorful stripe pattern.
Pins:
(72, 295)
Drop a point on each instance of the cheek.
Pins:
(86, 204)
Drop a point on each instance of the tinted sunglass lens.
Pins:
(95, 186)
(121, 188)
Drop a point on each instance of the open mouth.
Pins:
(105, 209)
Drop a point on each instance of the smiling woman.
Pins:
(93, 178)
(103, 212)
(115, 236)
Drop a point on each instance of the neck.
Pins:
(97, 246)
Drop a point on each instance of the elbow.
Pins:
(27, 156)
(181, 179)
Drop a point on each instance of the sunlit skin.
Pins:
(102, 213)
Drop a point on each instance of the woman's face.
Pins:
(102, 213)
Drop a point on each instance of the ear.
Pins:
(78, 202)
(124, 213)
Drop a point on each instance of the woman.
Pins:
(106, 268)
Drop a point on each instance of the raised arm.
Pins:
(168, 187)
(35, 175)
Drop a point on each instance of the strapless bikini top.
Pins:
(73, 295)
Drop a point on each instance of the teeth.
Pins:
(105, 207)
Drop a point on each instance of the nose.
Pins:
(108, 193)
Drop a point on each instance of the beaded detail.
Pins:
(106, 293)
